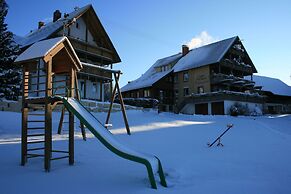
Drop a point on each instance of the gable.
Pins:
(87, 19)
(59, 49)
(238, 52)
(79, 31)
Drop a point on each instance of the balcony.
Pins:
(97, 51)
(231, 80)
(237, 65)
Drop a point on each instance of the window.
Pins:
(176, 78)
(96, 91)
(82, 89)
(146, 93)
(185, 76)
(176, 93)
(186, 91)
(200, 89)
(161, 95)
(77, 25)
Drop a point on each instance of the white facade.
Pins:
(78, 31)
(254, 108)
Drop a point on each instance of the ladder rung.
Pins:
(34, 135)
(58, 158)
(36, 114)
(33, 142)
(35, 128)
(36, 121)
(34, 155)
(33, 149)
(60, 151)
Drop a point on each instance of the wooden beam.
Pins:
(72, 59)
(121, 103)
(24, 117)
(61, 120)
(52, 53)
(112, 100)
(71, 118)
(79, 99)
(48, 116)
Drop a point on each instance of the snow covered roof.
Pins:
(274, 85)
(205, 55)
(42, 48)
(151, 76)
(39, 49)
(17, 39)
(51, 27)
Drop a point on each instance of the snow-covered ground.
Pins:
(255, 157)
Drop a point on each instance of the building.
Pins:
(278, 94)
(205, 80)
(90, 41)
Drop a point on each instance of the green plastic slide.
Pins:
(152, 163)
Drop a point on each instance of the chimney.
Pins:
(57, 15)
(40, 24)
(185, 50)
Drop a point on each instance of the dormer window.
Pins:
(163, 68)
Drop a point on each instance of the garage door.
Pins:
(201, 109)
(217, 108)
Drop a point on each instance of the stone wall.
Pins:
(94, 106)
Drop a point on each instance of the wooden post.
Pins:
(61, 120)
(24, 117)
(112, 100)
(79, 99)
(71, 118)
(121, 103)
(48, 116)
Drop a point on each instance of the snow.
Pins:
(205, 55)
(100, 67)
(151, 76)
(274, 85)
(17, 39)
(42, 48)
(49, 28)
(39, 49)
(255, 157)
(108, 137)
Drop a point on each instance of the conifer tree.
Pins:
(10, 76)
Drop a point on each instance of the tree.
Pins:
(10, 76)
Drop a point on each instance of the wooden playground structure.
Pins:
(50, 69)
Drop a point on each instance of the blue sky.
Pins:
(144, 31)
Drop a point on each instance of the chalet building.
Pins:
(278, 94)
(91, 43)
(205, 80)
